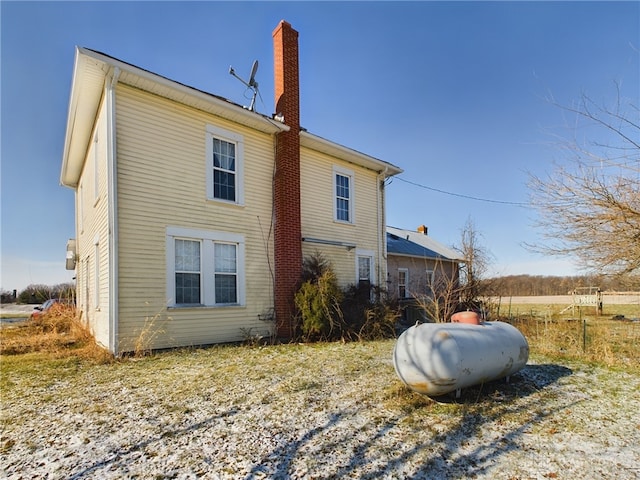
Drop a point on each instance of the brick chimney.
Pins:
(423, 229)
(286, 185)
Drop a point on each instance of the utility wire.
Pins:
(517, 204)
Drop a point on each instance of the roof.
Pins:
(94, 70)
(410, 243)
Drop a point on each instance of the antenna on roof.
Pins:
(252, 84)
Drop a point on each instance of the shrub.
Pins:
(367, 319)
(326, 312)
(318, 304)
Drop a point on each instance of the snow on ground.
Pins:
(336, 411)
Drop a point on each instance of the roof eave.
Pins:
(71, 163)
(425, 257)
(85, 99)
(320, 144)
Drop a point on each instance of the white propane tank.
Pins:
(437, 358)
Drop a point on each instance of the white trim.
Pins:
(320, 144)
(91, 70)
(362, 253)
(212, 132)
(112, 208)
(96, 272)
(337, 170)
(406, 282)
(81, 207)
(96, 168)
(429, 278)
(208, 238)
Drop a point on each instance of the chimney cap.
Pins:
(423, 229)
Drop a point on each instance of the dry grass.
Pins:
(325, 410)
(556, 332)
(58, 333)
(607, 342)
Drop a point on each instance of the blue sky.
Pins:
(455, 93)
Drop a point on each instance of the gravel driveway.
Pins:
(311, 411)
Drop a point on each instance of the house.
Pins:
(194, 214)
(420, 269)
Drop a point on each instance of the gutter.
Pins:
(382, 228)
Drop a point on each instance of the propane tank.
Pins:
(437, 358)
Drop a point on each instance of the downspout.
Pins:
(112, 171)
(382, 239)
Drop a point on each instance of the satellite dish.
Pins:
(252, 78)
(251, 84)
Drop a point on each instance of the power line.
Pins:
(469, 197)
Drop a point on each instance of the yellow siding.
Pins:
(162, 183)
(317, 211)
(92, 225)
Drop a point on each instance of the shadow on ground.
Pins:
(436, 455)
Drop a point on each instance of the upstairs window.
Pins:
(343, 189)
(224, 151)
(224, 170)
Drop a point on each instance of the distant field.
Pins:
(550, 310)
(630, 298)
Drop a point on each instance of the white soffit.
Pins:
(92, 69)
(320, 144)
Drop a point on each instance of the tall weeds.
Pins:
(58, 332)
(603, 341)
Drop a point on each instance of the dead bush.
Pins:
(59, 332)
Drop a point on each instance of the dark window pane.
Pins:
(224, 186)
(226, 291)
(187, 288)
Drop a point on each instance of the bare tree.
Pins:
(589, 208)
(476, 262)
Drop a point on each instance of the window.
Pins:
(80, 201)
(429, 285)
(187, 271)
(364, 267)
(96, 272)
(96, 169)
(204, 267)
(403, 281)
(86, 285)
(226, 273)
(343, 189)
(364, 270)
(225, 152)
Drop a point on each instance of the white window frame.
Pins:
(405, 284)
(96, 272)
(208, 239)
(212, 132)
(96, 170)
(351, 211)
(200, 273)
(86, 286)
(80, 208)
(429, 279)
(370, 254)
